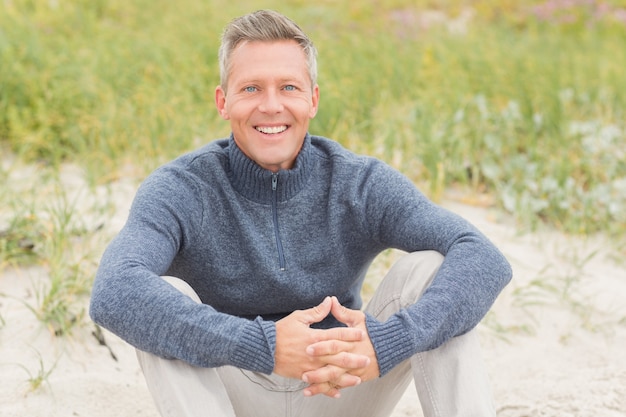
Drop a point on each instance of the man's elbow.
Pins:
(97, 310)
(102, 303)
(505, 270)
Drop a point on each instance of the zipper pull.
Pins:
(274, 181)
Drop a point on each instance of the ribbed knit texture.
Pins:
(212, 218)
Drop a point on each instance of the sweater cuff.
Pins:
(391, 342)
(255, 350)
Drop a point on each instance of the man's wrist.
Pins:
(391, 345)
(256, 349)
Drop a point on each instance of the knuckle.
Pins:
(333, 374)
(314, 336)
(344, 333)
(353, 334)
(345, 361)
(315, 389)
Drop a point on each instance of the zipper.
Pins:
(279, 244)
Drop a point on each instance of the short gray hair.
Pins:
(265, 26)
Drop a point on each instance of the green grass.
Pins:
(51, 225)
(529, 111)
(17, 241)
(561, 285)
(526, 108)
(41, 376)
(70, 266)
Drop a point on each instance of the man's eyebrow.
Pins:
(293, 80)
(283, 80)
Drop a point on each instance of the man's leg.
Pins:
(376, 398)
(182, 390)
(450, 380)
(273, 395)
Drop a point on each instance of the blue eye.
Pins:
(249, 89)
(290, 88)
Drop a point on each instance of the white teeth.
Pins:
(271, 130)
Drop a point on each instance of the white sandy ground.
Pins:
(549, 352)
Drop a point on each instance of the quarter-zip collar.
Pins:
(255, 183)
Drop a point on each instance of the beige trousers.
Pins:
(451, 380)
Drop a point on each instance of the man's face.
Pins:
(269, 101)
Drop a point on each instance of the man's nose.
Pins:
(271, 102)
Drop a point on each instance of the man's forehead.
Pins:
(290, 43)
(280, 56)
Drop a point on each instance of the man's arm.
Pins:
(396, 214)
(130, 299)
(470, 278)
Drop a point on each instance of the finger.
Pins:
(344, 314)
(347, 380)
(337, 376)
(345, 334)
(317, 313)
(348, 360)
(338, 353)
(345, 360)
(333, 393)
(330, 347)
(332, 389)
(326, 388)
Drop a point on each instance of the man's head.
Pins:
(268, 91)
(263, 26)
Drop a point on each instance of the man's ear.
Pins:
(315, 101)
(220, 102)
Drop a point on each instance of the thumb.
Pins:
(318, 313)
(344, 314)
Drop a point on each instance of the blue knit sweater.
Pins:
(256, 246)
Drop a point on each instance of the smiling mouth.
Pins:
(271, 130)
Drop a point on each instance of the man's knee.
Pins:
(414, 273)
(405, 282)
(183, 287)
(424, 261)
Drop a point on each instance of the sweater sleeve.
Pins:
(472, 275)
(131, 300)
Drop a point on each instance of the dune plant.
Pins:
(494, 327)
(524, 114)
(40, 376)
(48, 229)
(69, 262)
(18, 240)
(561, 287)
(524, 100)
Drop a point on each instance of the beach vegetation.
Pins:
(48, 231)
(521, 101)
(36, 379)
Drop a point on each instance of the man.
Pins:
(238, 274)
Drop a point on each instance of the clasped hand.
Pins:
(327, 359)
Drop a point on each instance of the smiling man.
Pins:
(269, 104)
(238, 273)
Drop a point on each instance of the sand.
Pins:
(549, 351)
